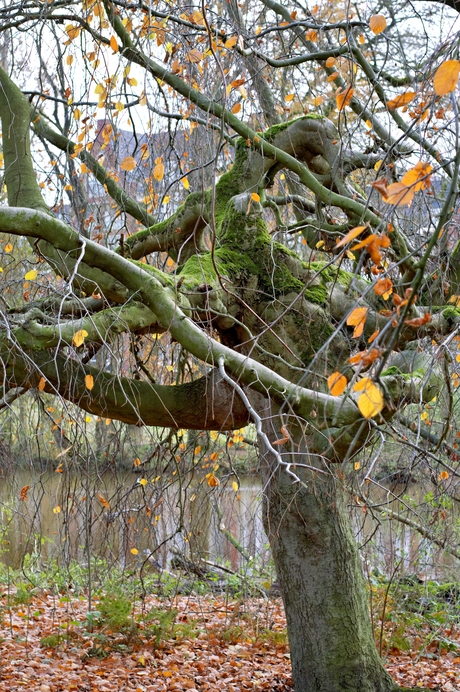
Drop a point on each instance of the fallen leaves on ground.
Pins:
(238, 646)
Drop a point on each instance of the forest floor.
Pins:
(49, 643)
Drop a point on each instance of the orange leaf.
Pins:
(213, 482)
(89, 382)
(383, 287)
(357, 319)
(381, 186)
(418, 321)
(446, 77)
(419, 176)
(41, 384)
(367, 241)
(230, 42)
(194, 56)
(343, 97)
(399, 194)
(255, 197)
(351, 235)
(401, 100)
(236, 108)
(23, 493)
(373, 337)
(336, 383)
(114, 44)
(377, 23)
(443, 476)
(105, 503)
(128, 164)
(8, 247)
(284, 439)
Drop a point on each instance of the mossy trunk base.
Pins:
(320, 573)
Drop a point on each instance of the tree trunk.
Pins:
(319, 570)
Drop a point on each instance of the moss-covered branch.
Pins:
(206, 404)
(37, 331)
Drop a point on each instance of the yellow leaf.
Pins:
(30, 276)
(230, 42)
(100, 89)
(134, 551)
(143, 481)
(72, 31)
(69, 59)
(114, 44)
(351, 235)
(446, 77)
(318, 100)
(56, 509)
(401, 100)
(79, 337)
(377, 164)
(119, 106)
(236, 108)
(8, 247)
(128, 164)
(337, 383)
(357, 465)
(235, 486)
(370, 402)
(89, 382)
(255, 197)
(185, 183)
(290, 97)
(41, 384)
(377, 23)
(424, 415)
(88, 419)
(158, 172)
(132, 81)
(77, 114)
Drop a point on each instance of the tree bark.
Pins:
(320, 574)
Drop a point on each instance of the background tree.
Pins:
(310, 262)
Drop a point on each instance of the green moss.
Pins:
(271, 133)
(317, 294)
(199, 269)
(451, 312)
(392, 370)
(330, 273)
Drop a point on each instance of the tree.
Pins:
(316, 275)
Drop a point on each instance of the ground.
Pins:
(215, 643)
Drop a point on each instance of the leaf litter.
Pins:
(216, 643)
